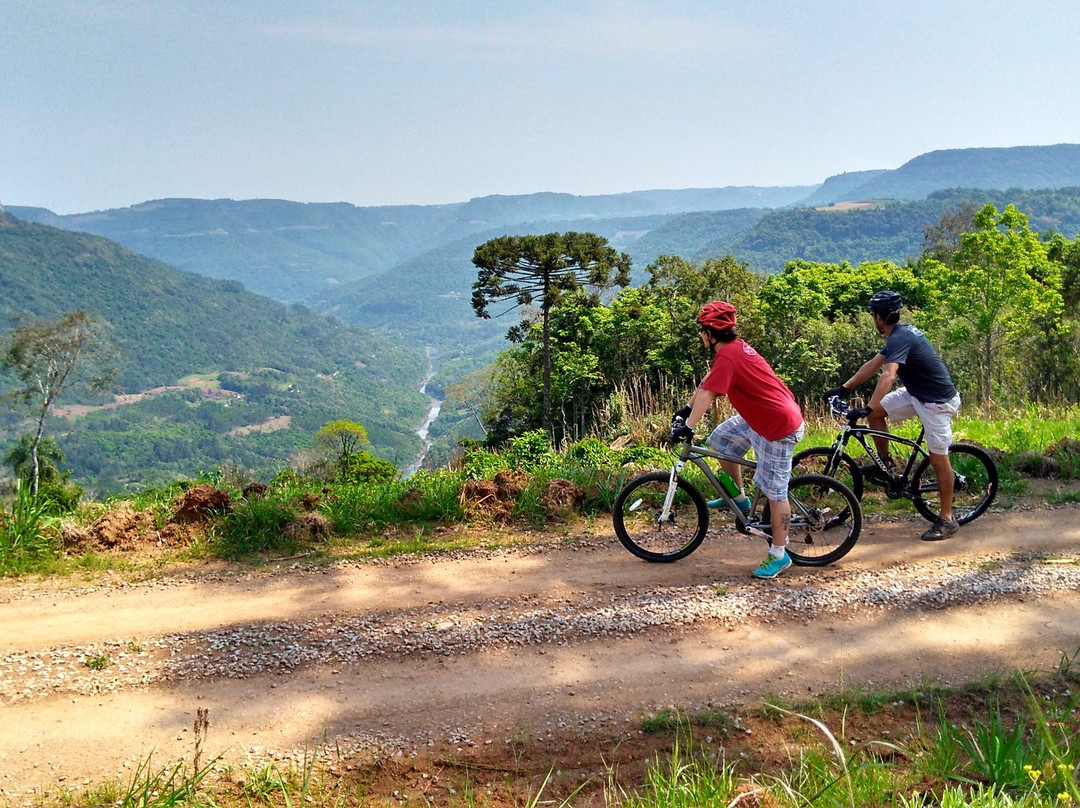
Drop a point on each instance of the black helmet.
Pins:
(885, 303)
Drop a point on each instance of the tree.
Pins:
(993, 293)
(50, 357)
(943, 239)
(527, 269)
(345, 439)
(49, 455)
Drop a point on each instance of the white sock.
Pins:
(777, 552)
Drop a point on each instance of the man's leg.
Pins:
(734, 471)
(896, 407)
(945, 480)
(772, 476)
(877, 419)
(780, 517)
(731, 437)
(937, 426)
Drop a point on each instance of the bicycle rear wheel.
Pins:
(975, 482)
(826, 520)
(639, 526)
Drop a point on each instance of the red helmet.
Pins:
(718, 315)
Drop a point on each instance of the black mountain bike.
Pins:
(976, 476)
(664, 516)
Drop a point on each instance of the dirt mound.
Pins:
(123, 531)
(200, 502)
(308, 526)
(494, 500)
(561, 498)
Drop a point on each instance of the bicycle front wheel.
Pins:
(825, 520)
(643, 528)
(823, 460)
(975, 482)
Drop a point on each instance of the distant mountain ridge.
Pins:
(291, 251)
(406, 270)
(1027, 167)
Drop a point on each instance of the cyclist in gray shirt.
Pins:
(928, 391)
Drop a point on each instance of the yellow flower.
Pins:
(1064, 797)
(1034, 774)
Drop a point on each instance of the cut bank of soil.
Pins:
(560, 648)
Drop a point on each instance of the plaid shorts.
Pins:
(735, 437)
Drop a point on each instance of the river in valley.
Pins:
(425, 429)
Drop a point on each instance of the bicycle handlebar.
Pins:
(839, 408)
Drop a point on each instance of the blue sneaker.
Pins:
(772, 566)
(744, 506)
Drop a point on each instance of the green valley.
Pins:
(269, 374)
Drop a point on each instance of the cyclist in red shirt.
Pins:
(768, 419)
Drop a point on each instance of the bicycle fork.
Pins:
(673, 483)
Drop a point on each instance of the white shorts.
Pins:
(936, 418)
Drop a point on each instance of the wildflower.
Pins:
(1033, 773)
(1064, 798)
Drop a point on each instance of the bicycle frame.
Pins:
(860, 434)
(696, 455)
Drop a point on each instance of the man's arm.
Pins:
(699, 405)
(866, 372)
(884, 384)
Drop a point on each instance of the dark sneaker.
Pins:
(772, 566)
(872, 471)
(941, 529)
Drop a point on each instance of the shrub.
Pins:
(257, 526)
(529, 451)
(482, 464)
(364, 467)
(60, 497)
(592, 453)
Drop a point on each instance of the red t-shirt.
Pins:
(755, 391)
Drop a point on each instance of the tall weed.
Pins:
(27, 532)
(999, 754)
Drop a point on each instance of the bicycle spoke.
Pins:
(825, 520)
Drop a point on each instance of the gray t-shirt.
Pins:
(921, 369)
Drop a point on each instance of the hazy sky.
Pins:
(108, 103)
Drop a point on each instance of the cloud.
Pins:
(611, 30)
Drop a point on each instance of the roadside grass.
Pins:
(431, 511)
(999, 742)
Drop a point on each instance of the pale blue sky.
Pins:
(108, 103)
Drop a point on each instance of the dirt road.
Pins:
(571, 638)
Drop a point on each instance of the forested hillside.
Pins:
(291, 251)
(406, 273)
(246, 380)
(882, 230)
(433, 307)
